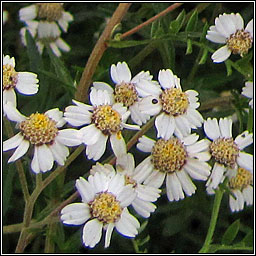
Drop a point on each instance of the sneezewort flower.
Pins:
(145, 194)
(105, 199)
(128, 90)
(178, 109)
(42, 132)
(176, 159)
(247, 91)
(24, 82)
(102, 120)
(226, 152)
(229, 30)
(50, 12)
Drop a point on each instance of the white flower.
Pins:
(24, 82)
(176, 159)
(178, 108)
(240, 184)
(52, 12)
(247, 91)
(145, 194)
(105, 199)
(226, 151)
(229, 30)
(42, 132)
(100, 121)
(128, 90)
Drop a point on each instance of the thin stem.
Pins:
(98, 51)
(159, 15)
(18, 163)
(215, 212)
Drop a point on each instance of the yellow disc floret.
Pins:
(39, 129)
(50, 11)
(169, 155)
(9, 77)
(225, 151)
(126, 93)
(242, 179)
(105, 208)
(174, 101)
(106, 119)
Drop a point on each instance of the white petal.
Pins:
(221, 54)
(245, 160)
(92, 232)
(155, 179)
(145, 144)
(35, 163)
(28, 13)
(211, 128)
(173, 187)
(244, 140)
(85, 189)
(216, 176)
(69, 137)
(215, 37)
(57, 116)
(20, 151)
(147, 193)
(45, 158)
(190, 139)
(99, 97)
(62, 45)
(109, 231)
(166, 79)
(165, 126)
(126, 196)
(75, 214)
(27, 83)
(95, 151)
(147, 88)
(59, 152)
(148, 106)
(103, 86)
(143, 208)
(182, 126)
(143, 170)
(126, 162)
(136, 116)
(90, 134)
(225, 125)
(120, 73)
(187, 185)
(116, 184)
(249, 27)
(9, 95)
(13, 142)
(202, 145)
(12, 113)
(194, 117)
(248, 195)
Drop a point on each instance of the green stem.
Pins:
(215, 212)
(18, 163)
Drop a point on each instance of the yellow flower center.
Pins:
(10, 77)
(169, 155)
(239, 42)
(106, 119)
(242, 179)
(130, 180)
(105, 208)
(126, 93)
(174, 101)
(50, 11)
(225, 151)
(39, 129)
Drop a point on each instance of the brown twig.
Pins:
(98, 51)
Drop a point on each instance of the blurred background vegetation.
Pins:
(175, 227)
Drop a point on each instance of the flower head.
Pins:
(247, 91)
(128, 90)
(176, 159)
(41, 131)
(102, 120)
(229, 30)
(145, 194)
(226, 151)
(178, 109)
(24, 82)
(105, 199)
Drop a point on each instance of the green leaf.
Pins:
(189, 47)
(228, 67)
(230, 233)
(125, 44)
(192, 22)
(248, 239)
(204, 57)
(204, 32)
(176, 24)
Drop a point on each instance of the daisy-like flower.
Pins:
(104, 205)
(229, 30)
(45, 33)
(240, 184)
(24, 82)
(226, 151)
(145, 194)
(128, 90)
(176, 159)
(43, 133)
(178, 108)
(101, 120)
(247, 91)
(50, 12)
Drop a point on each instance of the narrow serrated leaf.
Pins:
(189, 47)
